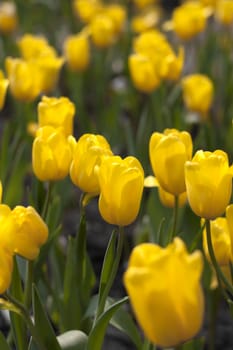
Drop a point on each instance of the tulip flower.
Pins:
(77, 52)
(87, 9)
(208, 180)
(102, 30)
(88, 153)
(51, 154)
(121, 186)
(6, 263)
(168, 153)
(3, 88)
(8, 17)
(198, 92)
(57, 112)
(224, 12)
(118, 15)
(222, 238)
(34, 46)
(165, 291)
(146, 20)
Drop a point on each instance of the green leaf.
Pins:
(42, 323)
(195, 344)
(96, 336)
(72, 340)
(3, 343)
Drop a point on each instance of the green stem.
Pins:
(47, 200)
(24, 313)
(148, 345)
(28, 286)
(220, 275)
(102, 301)
(175, 219)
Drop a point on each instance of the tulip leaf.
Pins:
(96, 336)
(72, 340)
(195, 344)
(3, 343)
(42, 323)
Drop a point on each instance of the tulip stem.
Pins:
(175, 217)
(47, 200)
(220, 275)
(28, 286)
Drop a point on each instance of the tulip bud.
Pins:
(121, 185)
(224, 12)
(56, 112)
(208, 180)
(51, 154)
(6, 263)
(102, 30)
(168, 153)
(165, 291)
(8, 17)
(3, 88)
(88, 153)
(77, 52)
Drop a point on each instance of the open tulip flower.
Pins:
(121, 186)
(168, 153)
(165, 292)
(208, 180)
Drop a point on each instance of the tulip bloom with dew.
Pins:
(8, 17)
(224, 12)
(3, 89)
(77, 52)
(222, 238)
(168, 153)
(51, 154)
(121, 185)
(208, 180)
(198, 93)
(164, 288)
(88, 153)
(57, 112)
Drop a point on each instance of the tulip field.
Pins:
(116, 142)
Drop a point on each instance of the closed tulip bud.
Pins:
(168, 153)
(3, 88)
(57, 112)
(198, 91)
(146, 20)
(88, 153)
(6, 263)
(30, 232)
(168, 306)
(34, 46)
(224, 12)
(143, 73)
(121, 186)
(51, 154)
(118, 15)
(49, 68)
(208, 180)
(8, 17)
(24, 79)
(221, 241)
(87, 9)
(77, 52)
(102, 31)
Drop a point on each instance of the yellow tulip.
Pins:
(24, 78)
(51, 154)
(30, 232)
(118, 15)
(168, 153)
(87, 9)
(3, 88)
(221, 241)
(224, 11)
(8, 17)
(198, 91)
(121, 186)
(57, 112)
(165, 291)
(168, 200)
(6, 263)
(141, 4)
(208, 180)
(77, 52)
(34, 46)
(143, 73)
(146, 20)
(102, 30)
(88, 153)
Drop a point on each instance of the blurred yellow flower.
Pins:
(188, 20)
(146, 20)
(208, 180)
(51, 154)
(88, 153)
(143, 73)
(87, 9)
(8, 17)
(6, 263)
(118, 15)
(140, 4)
(34, 46)
(49, 68)
(168, 153)
(224, 11)
(3, 88)
(102, 30)
(198, 91)
(222, 238)
(77, 52)
(121, 186)
(24, 79)
(165, 291)
(57, 112)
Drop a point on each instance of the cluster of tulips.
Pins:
(175, 127)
